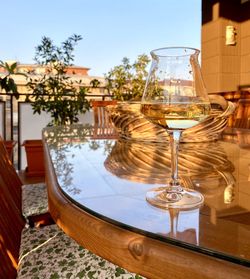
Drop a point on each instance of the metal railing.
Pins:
(12, 126)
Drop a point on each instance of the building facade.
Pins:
(76, 73)
(225, 45)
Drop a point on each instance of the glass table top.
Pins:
(110, 177)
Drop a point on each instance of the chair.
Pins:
(242, 118)
(32, 198)
(103, 126)
(10, 234)
(45, 252)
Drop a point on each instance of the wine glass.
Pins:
(175, 99)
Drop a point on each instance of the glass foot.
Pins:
(163, 197)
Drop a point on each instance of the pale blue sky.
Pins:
(111, 29)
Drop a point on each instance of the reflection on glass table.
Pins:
(109, 179)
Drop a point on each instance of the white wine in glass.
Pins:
(175, 99)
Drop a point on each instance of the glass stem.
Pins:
(174, 136)
(174, 215)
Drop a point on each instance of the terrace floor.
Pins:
(30, 179)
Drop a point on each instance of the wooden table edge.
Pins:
(135, 252)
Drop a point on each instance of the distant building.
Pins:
(40, 69)
(76, 73)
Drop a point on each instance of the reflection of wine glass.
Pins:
(175, 99)
(187, 228)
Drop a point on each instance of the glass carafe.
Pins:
(175, 99)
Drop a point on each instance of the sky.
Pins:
(111, 29)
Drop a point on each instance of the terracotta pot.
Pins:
(10, 144)
(34, 156)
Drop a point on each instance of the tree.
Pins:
(7, 83)
(95, 83)
(54, 92)
(127, 81)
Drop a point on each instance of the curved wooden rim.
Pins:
(135, 252)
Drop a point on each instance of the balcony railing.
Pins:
(18, 123)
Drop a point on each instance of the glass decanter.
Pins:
(175, 99)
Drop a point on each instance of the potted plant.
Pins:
(55, 92)
(10, 144)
